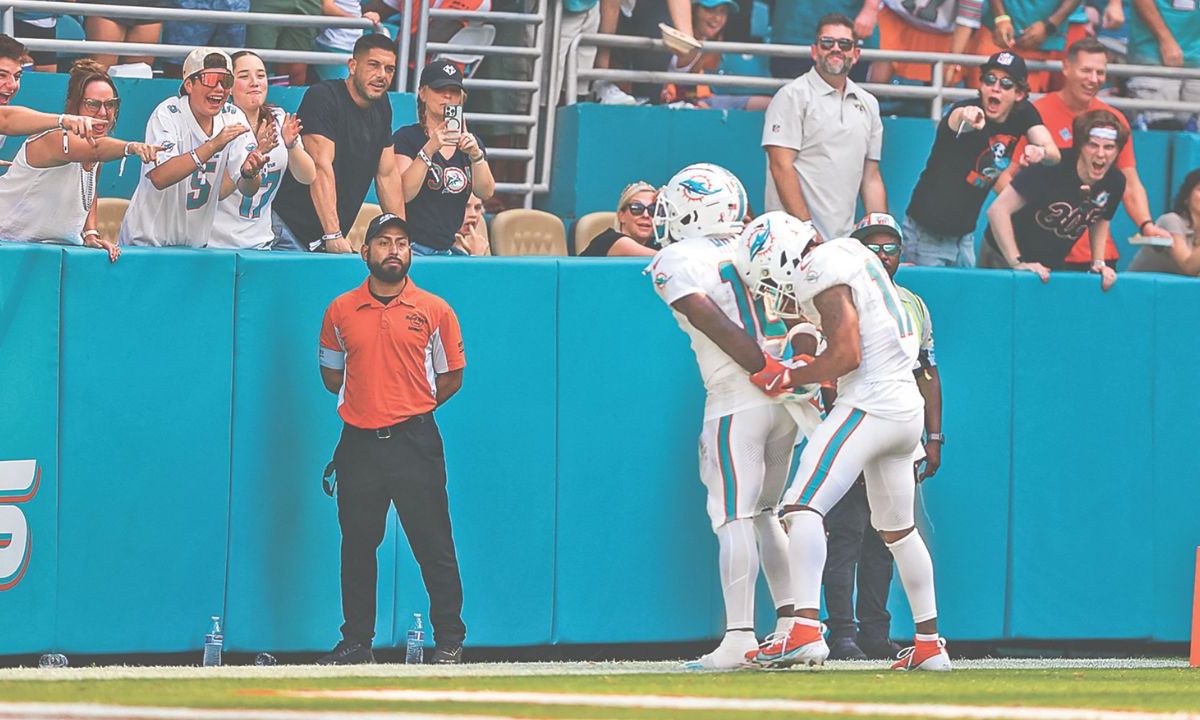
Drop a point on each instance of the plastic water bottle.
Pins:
(414, 649)
(52, 660)
(213, 643)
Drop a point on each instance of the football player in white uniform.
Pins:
(873, 429)
(209, 154)
(747, 437)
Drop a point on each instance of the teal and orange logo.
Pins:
(19, 480)
(759, 242)
(697, 187)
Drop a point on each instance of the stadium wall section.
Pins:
(173, 403)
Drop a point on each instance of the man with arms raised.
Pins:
(747, 437)
(974, 145)
(873, 429)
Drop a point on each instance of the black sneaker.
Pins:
(844, 648)
(878, 648)
(449, 654)
(348, 653)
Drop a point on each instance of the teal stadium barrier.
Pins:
(173, 403)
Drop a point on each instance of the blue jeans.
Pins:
(201, 34)
(285, 239)
(923, 247)
(419, 249)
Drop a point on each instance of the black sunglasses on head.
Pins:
(1006, 83)
(887, 248)
(843, 44)
(637, 208)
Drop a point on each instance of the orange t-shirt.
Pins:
(391, 354)
(1057, 118)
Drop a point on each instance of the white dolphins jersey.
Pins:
(883, 383)
(705, 267)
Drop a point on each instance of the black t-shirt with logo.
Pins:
(436, 213)
(1058, 208)
(359, 137)
(961, 170)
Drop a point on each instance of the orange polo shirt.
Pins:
(1057, 118)
(391, 355)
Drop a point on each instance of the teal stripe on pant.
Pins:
(728, 474)
(848, 426)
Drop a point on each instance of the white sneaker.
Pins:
(729, 655)
(609, 94)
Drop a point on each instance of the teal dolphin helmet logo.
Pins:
(697, 187)
(759, 242)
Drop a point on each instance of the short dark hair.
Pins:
(373, 41)
(835, 19)
(1087, 45)
(12, 49)
(1182, 206)
(1084, 123)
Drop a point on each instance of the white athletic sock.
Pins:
(806, 553)
(772, 548)
(916, 575)
(739, 572)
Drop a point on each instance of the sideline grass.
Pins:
(1158, 690)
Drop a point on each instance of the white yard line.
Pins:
(663, 702)
(128, 672)
(26, 711)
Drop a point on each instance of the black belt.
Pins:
(384, 433)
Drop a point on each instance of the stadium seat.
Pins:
(109, 214)
(358, 232)
(591, 225)
(528, 232)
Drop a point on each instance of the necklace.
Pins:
(87, 187)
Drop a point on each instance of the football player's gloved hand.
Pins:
(773, 379)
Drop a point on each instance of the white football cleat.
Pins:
(729, 655)
(801, 645)
(929, 655)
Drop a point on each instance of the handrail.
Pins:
(179, 51)
(210, 16)
(935, 92)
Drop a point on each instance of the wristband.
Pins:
(1002, 19)
(90, 233)
(1051, 28)
(332, 236)
(61, 117)
(293, 145)
(196, 159)
(477, 160)
(1144, 223)
(424, 158)
(127, 146)
(247, 177)
(935, 437)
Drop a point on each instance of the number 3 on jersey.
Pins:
(199, 188)
(753, 312)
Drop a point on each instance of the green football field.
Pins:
(1084, 690)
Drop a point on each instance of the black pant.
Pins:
(853, 542)
(407, 470)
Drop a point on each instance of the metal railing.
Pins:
(9, 7)
(936, 92)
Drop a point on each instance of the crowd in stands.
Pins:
(297, 182)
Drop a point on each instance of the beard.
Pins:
(834, 65)
(390, 274)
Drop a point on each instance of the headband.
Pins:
(1103, 133)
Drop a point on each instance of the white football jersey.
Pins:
(705, 266)
(883, 383)
(244, 223)
(183, 213)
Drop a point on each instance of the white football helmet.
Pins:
(767, 257)
(701, 201)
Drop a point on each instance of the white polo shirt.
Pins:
(834, 135)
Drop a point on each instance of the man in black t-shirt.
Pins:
(974, 144)
(348, 133)
(1036, 219)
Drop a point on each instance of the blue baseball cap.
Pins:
(733, 6)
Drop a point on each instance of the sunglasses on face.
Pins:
(93, 105)
(1006, 83)
(213, 79)
(843, 44)
(636, 209)
(887, 248)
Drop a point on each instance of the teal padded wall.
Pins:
(145, 389)
(30, 278)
